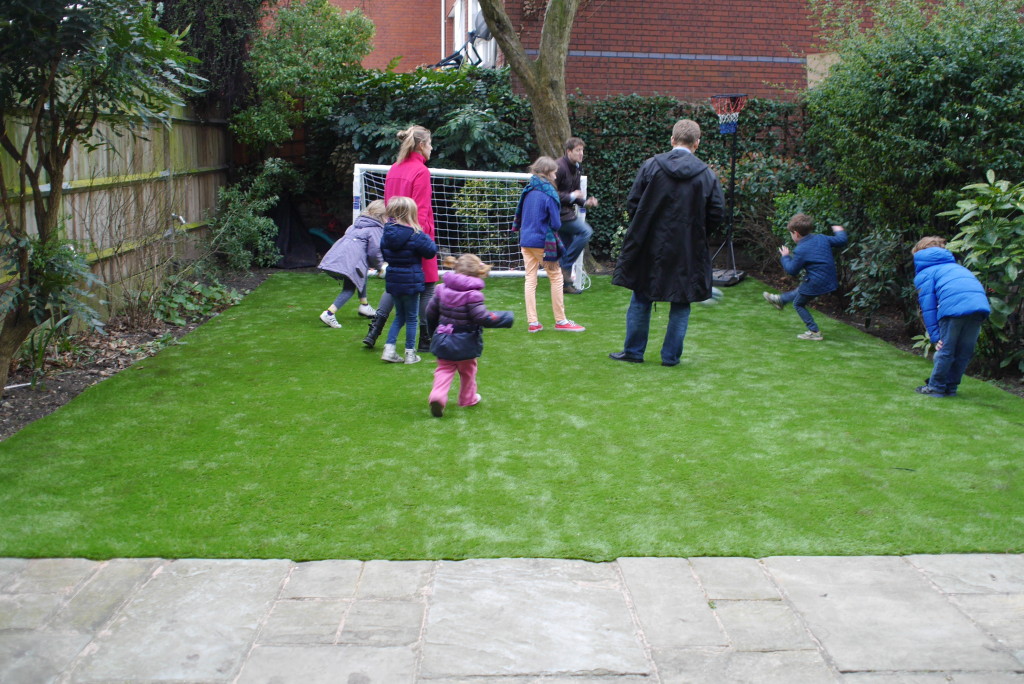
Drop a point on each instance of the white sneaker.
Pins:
(329, 320)
(411, 356)
(390, 355)
(366, 311)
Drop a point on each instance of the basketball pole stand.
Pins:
(728, 108)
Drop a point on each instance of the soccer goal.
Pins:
(473, 212)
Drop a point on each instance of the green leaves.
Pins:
(991, 239)
(476, 120)
(300, 67)
(920, 101)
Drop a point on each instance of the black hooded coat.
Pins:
(675, 201)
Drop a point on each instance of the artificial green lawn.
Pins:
(269, 435)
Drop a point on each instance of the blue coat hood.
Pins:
(945, 288)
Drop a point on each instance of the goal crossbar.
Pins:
(473, 212)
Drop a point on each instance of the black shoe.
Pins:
(666, 363)
(621, 356)
(930, 391)
(569, 289)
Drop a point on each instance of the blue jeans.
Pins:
(800, 301)
(638, 325)
(406, 314)
(575, 235)
(959, 335)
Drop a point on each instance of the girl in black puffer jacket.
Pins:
(457, 315)
(404, 246)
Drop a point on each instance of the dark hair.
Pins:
(572, 143)
(802, 224)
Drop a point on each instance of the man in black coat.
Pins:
(675, 200)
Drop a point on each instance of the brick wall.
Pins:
(689, 50)
(410, 28)
(686, 49)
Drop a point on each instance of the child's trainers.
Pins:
(569, 326)
(535, 327)
(366, 311)
(773, 299)
(390, 355)
(329, 320)
(811, 335)
(411, 356)
(436, 409)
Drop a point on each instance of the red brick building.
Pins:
(681, 48)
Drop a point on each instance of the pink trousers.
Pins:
(445, 373)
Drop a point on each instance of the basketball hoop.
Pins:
(728, 108)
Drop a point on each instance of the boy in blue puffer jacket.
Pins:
(953, 305)
(457, 314)
(813, 254)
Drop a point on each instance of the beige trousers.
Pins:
(534, 258)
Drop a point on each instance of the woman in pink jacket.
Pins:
(410, 177)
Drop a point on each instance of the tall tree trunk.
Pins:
(543, 78)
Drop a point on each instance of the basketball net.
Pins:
(728, 108)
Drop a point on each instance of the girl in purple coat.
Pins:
(349, 259)
(457, 314)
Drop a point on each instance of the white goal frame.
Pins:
(466, 218)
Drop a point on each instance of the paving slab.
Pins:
(109, 588)
(329, 665)
(734, 578)
(52, 575)
(395, 579)
(10, 568)
(881, 614)
(974, 573)
(30, 657)
(308, 621)
(672, 607)
(193, 621)
(383, 623)
(700, 666)
(999, 615)
(529, 617)
(323, 579)
(763, 626)
(933, 678)
(27, 611)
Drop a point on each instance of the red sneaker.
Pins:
(535, 327)
(569, 326)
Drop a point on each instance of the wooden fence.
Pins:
(139, 202)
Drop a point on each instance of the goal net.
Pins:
(473, 212)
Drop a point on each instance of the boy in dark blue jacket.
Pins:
(953, 305)
(813, 254)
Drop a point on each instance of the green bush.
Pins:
(622, 131)
(62, 283)
(922, 98)
(476, 121)
(241, 233)
(991, 239)
(299, 67)
(181, 300)
(917, 103)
